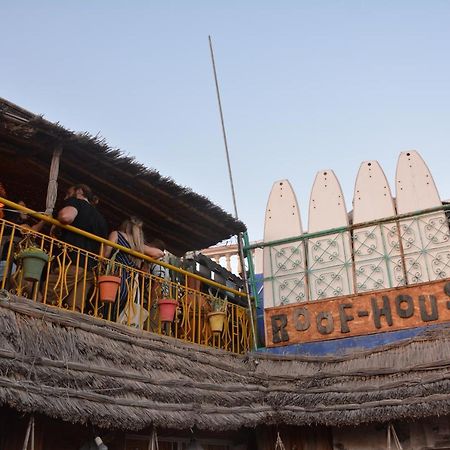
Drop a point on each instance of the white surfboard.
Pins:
(425, 238)
(376, 248)
(284, 264)
(329, 257)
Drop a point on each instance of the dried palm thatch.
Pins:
(183, 219)
(80, 369)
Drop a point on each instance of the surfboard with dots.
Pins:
(376, 248)
(425, 238)
(284, 264)
(329, 256)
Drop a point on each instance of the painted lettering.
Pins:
(328, 327)
(404, 306)
(302, 319)
(378, 312)
(279, 333)
(344, 318)
(399, 308)
(447, 288)
(424, 314)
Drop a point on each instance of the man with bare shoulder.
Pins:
(79, 260)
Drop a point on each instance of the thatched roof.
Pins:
(80, 369)
(183, 219)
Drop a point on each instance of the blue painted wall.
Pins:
(347, 345)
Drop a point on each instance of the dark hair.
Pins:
(95, 200)
(87, 191)
(157, 243)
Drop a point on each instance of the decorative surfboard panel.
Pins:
(425, 238)
(329, 257)
(376, 248)
(284, 264)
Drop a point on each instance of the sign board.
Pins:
(357, 315)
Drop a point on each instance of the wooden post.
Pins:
(32, 434)
(30, 430)
(52, 190)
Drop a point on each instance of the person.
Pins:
(79, 212)
(156, 269)
(130, 235)
(2, 194)
(7, 248)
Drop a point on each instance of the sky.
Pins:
(305, 85)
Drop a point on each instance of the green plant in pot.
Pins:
(109, 279)
(218, 312)
(33, 259)
(167, 306)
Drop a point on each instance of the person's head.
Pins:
(17, 216)
(80, 191)
(132, 227)
(158, 243)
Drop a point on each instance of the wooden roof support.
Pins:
(52, 190)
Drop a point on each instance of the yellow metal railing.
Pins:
(70, 281)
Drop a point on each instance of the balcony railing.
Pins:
(70, 282)
(397, 251)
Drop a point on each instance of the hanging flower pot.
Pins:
(109, 279)
(216, 321)
(108, 286)
(167, 308)
(33, 262)
(218, 312)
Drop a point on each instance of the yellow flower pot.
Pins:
(216, 321)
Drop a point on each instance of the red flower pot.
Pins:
(109, 285)
(167, 308)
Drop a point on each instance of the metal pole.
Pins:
(236, 215)
(223, 129)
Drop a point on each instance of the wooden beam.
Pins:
(122, 210)
(52, 190)
(206, 217)
(199, 230)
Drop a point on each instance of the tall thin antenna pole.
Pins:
(223, 129)
(239, 236)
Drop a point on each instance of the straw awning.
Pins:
(183, 219)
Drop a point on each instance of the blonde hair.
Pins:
(132, 227)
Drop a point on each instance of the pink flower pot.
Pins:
(167, 308)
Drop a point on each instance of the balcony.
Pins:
(73, 273)
(41, 160)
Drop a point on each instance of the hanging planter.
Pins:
(108, 286)
(216, 321)
(33, 262)
(167, 308)
(218, 312)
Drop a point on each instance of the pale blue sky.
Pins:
(306, 85)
